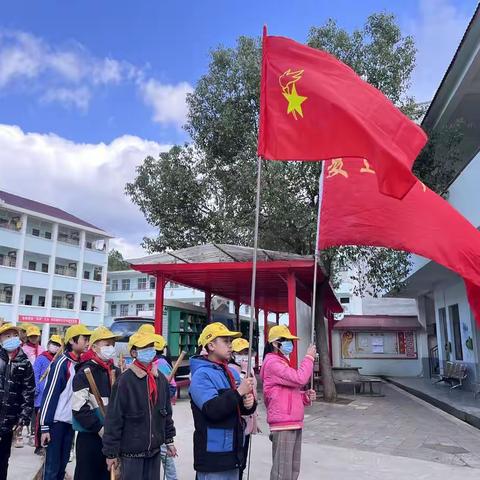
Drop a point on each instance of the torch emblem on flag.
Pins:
(288, 81)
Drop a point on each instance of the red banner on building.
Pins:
(50, 320)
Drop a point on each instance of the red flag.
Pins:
(353, 212)
(314, 107)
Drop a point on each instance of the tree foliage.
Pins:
(205, 191)
(116, 261)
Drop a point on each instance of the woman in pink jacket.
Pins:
(285, 400)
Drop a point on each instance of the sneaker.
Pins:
(38, 451)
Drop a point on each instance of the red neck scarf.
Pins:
(151, 382)
(47, 354)
(92, 355)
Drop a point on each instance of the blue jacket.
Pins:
(39, 368)
(57, 396)
(217, 409)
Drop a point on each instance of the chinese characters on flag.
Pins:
(353, 212)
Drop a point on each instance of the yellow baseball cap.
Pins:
(240, 344)
(102, 333)
(8, 326)
(76, 330)
(33, 331)
(215, 330)
(148, 328)
(56, 339)
(24, 326)
(141, 340)
(280, 331)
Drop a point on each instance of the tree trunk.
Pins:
(329, 390)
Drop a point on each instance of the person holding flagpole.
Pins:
(285, 400)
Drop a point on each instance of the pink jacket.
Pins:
(31, 351)
(283, 398)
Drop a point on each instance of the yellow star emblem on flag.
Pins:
(288, 82)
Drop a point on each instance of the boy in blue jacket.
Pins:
(218, 406)
(56, 409)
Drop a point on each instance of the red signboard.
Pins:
(50, 320)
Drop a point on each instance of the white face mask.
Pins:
(107, 352)
(53, 349)
(241, 358)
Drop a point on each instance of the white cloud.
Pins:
(437, 30)
(77, 97)
(167, 101)
(87, 180)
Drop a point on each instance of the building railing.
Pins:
(6, 261)
(63, 238)
(63, 303)
(66, 271)
(11, 224)
(5, 297)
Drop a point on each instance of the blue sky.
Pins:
(88, 88)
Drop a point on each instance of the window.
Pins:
(97, 274)
(113, 310)
(56, 301)
(126, 284)
(48, 235)
(114, 285)
(45, 267)
(142, 283)
(41, 301)
(152, 283)
(151, 307)
(28, 299)
(89, 245)
(140, 307)
(84, 306)
(32, 265)
(124, 309)
(35, 232)
(457, 334)
(344, 299)
(86, 275)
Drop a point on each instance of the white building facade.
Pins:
(53, 266)
(440, 293)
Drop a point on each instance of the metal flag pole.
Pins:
(315, 266)
(254, 267)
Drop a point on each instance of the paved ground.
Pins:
(390, 438)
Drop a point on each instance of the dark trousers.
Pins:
(147, 468)
(91, 464)
(58, 451)
(246, 447)
(5, 449)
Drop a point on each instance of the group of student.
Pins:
(123, 419)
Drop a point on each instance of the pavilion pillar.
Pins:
(257, 314)
(265, 326)
(292, 315)
(330, 321)
(277, 318)
(159, 301)
(208, 305)
(237, 315)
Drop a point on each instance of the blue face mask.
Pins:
(287, 347)
(146, 355)
(11, 344)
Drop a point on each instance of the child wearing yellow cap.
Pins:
(285, 399)
(56, 409)
(218, 405)
(32, 346)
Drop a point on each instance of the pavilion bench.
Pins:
(455, 373)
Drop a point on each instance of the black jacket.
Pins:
(87, 416)
(133, 427)
(17, 390)
(217, 413)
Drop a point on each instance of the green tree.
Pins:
(205, 191)
(116, 261)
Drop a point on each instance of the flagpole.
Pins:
(254, 267)
(316, 260)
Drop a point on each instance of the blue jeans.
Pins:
(170, 472)
(58, 451)
(229, 475)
